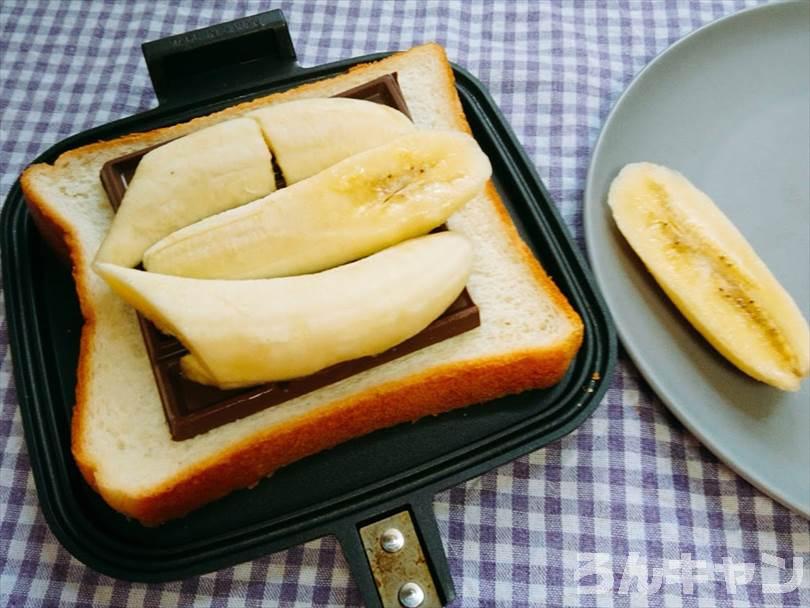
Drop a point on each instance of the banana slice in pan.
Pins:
(365, 203)
(309, 135)
(248, 332)
(186, 180)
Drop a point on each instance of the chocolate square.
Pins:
(192, 408)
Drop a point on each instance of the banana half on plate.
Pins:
(711, 273)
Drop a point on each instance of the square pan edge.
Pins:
(600, 346)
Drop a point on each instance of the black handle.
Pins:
(386, 570)
(221, 60)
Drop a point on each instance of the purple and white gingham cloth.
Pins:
(629, 493)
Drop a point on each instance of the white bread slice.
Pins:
(120, 439)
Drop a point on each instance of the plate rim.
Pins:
(650, 375)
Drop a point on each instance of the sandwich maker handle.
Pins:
(397, 559)
(221, 60)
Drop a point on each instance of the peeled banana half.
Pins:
(309, 135)
(711, 273)
(248, 332)
(367, 202)
(186, 180)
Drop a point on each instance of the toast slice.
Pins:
(120, 439)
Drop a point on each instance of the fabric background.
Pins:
(630, 482)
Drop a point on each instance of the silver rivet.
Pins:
(411, 595)
(392, 540)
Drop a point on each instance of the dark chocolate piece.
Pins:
(192, 408)
(383, 90)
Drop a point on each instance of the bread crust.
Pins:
(437, 390)
(55, 227)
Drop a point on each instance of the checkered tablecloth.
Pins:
(629, 491)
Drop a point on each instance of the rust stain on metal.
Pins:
(392, 570)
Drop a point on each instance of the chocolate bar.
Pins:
(192, 408)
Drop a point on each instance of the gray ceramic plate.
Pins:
(728, 106)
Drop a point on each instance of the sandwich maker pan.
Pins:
(357, 491)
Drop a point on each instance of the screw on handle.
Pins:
(392, 540)
(221, 59)
(411, 595)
